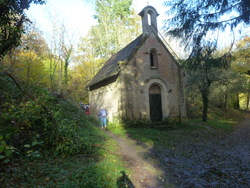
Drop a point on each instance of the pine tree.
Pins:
(193, 20)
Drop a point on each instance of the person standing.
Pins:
(103, 118)
(87, 111)
(82, 106)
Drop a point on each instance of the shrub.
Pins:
(43, 124)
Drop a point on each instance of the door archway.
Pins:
(155, 103)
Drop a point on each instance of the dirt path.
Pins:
(144, 173)
(239, 142)
(209, 159)
(212, 159)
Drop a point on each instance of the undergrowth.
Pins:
(99, 169)
(47, 141)
(43, 125)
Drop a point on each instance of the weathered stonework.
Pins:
(144, 63)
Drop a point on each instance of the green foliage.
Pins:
(225, 125)
(204, 70)
(229, 114)
(165, 136)
(26, 63)
(101, 168)
(135, 123)
(120, 9)
(26, 122)
(193, 21)
(6, 151)
(173, 121)
(115, 29)
(42, 124)
(117, 25)
(12, 19)
(242, 58)
(219, 124)
(48, 126)
(222, 86)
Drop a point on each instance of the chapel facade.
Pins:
(142, 81)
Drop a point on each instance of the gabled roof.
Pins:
(111, 67)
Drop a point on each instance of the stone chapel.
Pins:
(142, 81)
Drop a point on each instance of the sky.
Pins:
(77, 15)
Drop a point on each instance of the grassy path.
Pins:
(215, 154)
(186, 156)
(144, 172)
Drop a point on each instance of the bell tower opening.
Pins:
(149, 20)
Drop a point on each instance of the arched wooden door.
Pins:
(155, 103)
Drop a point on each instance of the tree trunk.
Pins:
(205, 101)
(60, 78)
(237, 102)
(248, 98)
(225, 105)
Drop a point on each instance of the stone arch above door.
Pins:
(155, 89)
(164, 96)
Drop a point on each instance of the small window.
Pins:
(149, 19)
(153, 58)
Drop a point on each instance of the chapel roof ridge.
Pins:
(112, 67)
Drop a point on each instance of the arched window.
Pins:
(153, 58)
(149, 19)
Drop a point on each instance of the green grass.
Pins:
(225, 125)
(78, 171)
(167, 137)
(117, 128)
(118, 131)
(217, 124)
(102, 168)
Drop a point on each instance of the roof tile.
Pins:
(111, 67)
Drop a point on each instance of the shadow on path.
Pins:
(144, 173)
(124, 181)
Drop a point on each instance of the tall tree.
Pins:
(204, 69)
(226, 91)
(60, 56)
(193, 20)
(85, 67)
(26, 62)
(242, 55)
(117, 26)
(242, 63)
(12, 18)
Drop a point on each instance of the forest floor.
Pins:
(206, 158)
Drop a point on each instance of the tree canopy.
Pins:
(117, 26)
(193, 20)
(242, 56)
(12, 18)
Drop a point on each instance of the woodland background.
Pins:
(42, 84)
